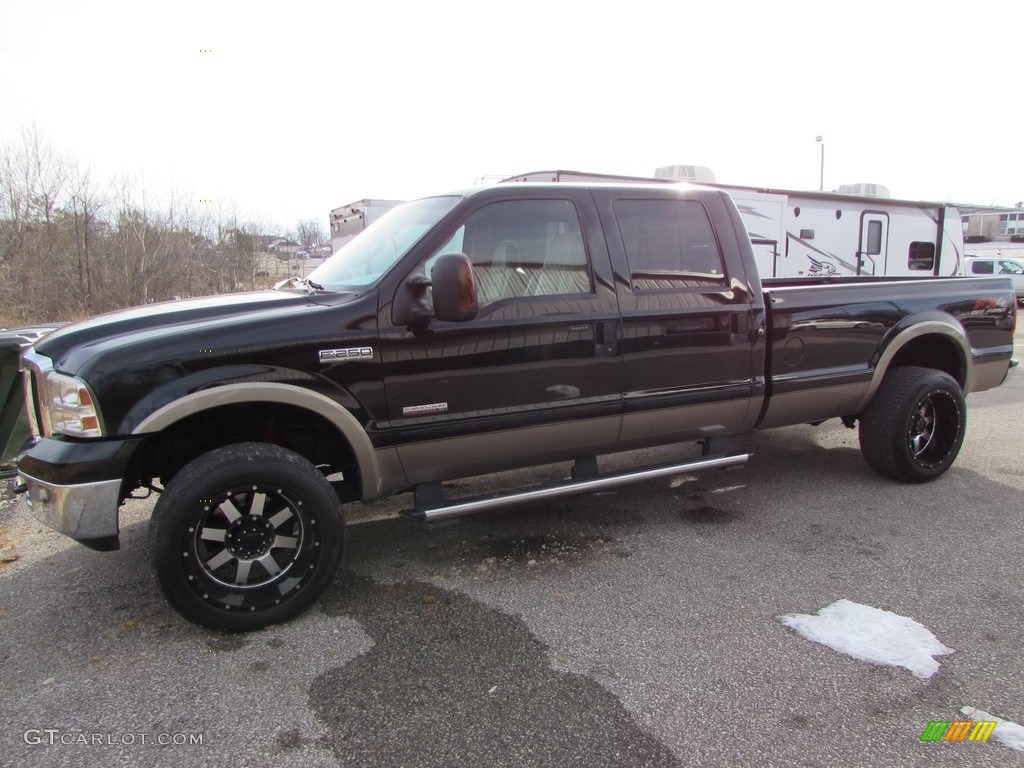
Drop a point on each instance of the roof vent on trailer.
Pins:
(864, 190)
(698, 173)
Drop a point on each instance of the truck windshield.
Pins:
(374, 251)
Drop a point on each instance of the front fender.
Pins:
(288, 394)
(153, 389)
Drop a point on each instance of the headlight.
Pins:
(71, 407)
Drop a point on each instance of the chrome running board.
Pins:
(446, 510)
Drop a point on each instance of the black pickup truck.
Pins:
(470, 333)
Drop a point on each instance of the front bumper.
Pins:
(75, 486)
(86, 513)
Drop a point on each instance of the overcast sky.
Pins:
(288, 109)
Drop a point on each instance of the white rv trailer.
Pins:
(818, 234)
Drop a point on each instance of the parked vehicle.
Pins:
(506, 326)
(14, 428)
(819, 234)
(986, 266)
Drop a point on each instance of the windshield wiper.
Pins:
(304, 284)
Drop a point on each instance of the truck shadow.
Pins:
(450, 681)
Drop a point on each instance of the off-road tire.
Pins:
(914, 426)
(246, 535)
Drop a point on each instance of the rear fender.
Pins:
(943, 326)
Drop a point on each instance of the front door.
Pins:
(536, 376)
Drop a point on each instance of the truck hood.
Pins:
(194, 320)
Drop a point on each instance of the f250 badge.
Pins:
(352, 353)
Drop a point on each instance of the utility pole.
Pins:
(821, 177)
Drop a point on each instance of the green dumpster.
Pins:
(14, 429)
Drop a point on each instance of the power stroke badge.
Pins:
(350, 353)
(423, 410)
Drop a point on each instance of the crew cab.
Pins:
(470, 333)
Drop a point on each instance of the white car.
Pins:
(987, 266)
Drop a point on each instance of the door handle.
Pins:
(606, 338)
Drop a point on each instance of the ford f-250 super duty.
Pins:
(470, 333)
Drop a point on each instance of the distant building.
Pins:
(284, 248)
(988, 230)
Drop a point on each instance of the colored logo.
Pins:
(958, 730)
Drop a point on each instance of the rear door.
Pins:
(536, 376)
(688, 328)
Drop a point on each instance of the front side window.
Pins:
(522, 249)
(1010, 268)
(669, 244)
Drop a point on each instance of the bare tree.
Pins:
(310, 233)
(35, 178)
(85, 207)
(71, 246)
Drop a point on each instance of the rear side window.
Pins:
(669, 244)
(922, 256)
(981, 268)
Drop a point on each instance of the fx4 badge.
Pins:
(352, 353)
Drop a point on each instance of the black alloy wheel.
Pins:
(915, 424)
(246, 535)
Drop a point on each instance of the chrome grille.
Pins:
(34, 369)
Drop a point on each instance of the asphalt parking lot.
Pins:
(633, 628)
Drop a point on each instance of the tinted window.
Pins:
(981, 268)
(523, 248)
(669, 243)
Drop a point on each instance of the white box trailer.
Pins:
(350, 219)
(817, 234)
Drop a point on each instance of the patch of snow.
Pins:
(873, 635)
(1006, 732)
